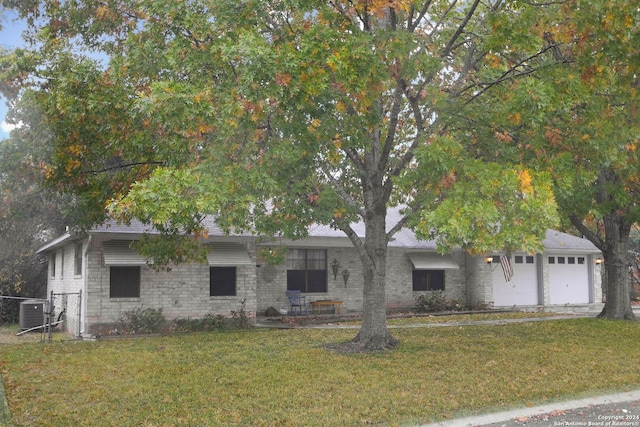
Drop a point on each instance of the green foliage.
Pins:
(578, 122)
(172, 248)
(436, 301)
(142, 321)
(240, 317)
(208, 323)
(29, 215)
(273, 123)
(275, 115)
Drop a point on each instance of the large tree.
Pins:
(273, 115)
(29, 216)
(583, 128)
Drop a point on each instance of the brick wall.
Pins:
(181, 292)
(479, 284)
(272, 282)
(184, 291)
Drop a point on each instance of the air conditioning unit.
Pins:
(31, 314)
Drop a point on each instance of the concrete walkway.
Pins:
(611, 410)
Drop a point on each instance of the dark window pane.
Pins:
(77, 262)
(518, 259)
(571, 260)
(428, 280)
(560, 260)
(296, 280)
(580, 260)
(529, 260)
(222, 281)
(552, 260)
(124, 282)
(317, 281)
(316, 259)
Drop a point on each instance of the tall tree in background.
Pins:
(273, 115)
(582, 127)
(30, 215)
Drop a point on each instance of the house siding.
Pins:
(66, 289)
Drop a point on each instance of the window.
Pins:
(552, 260)
(571, 260)
(307, 270)
(77, 260)
(62, 263)
(580, 260)
(518, 259)
(560, 260)
(529, 259)
(222, 281)
(124, 282)
(428, 280)
(53, 264)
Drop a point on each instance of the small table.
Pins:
(337, 305)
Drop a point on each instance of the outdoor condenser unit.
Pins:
(31, 314)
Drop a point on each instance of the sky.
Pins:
(10, 38)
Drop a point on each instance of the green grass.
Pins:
(287, 377)
(8, 335)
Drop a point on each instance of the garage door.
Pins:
(522, 289)
(568, 279)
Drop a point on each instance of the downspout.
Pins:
(82, 316)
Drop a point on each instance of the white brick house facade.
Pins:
(186, 290)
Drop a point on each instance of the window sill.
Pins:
(124, 299)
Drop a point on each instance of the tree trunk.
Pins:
(374, 335)
(616, 264)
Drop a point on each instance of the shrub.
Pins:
(142, 321)
(240, 316)
(208, 323)
(436, 301)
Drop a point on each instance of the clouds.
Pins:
(5, 128)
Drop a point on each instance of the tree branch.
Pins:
(510, 73)
(393, 125)
(411, 27)
(342, 191)
(124, 166)
(590, 235)
(460, 29)
(399, 225)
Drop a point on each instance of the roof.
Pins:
(556, 240)
(325, 235)
(405, 238)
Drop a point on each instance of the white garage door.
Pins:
(522, 289)
(568, 279)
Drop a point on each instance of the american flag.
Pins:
(507, 269)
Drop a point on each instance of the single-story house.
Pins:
(95, 277)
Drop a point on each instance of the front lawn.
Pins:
(288, 378)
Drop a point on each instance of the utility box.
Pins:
(31, 314)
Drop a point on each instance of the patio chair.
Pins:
(298, 303)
